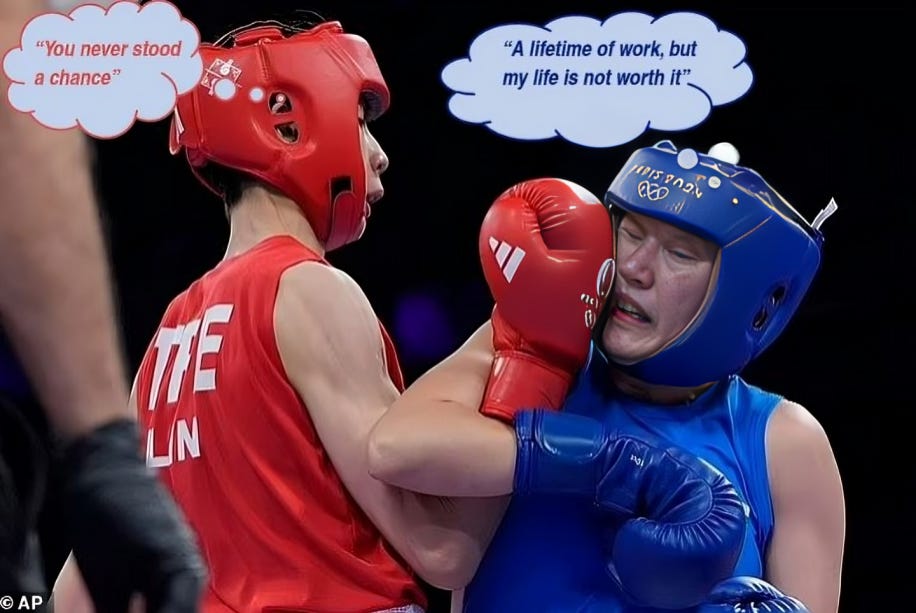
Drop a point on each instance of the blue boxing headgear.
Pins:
(768, 256)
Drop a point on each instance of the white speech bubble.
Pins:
(598, 83)
(102, 69)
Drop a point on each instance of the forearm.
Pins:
(445, 450)
(55, 295)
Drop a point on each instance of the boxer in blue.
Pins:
(711, 264)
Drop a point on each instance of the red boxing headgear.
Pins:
(284, 110)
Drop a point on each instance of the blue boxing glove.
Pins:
(749, 595)
(685, 522)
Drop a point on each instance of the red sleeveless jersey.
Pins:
(234, 444)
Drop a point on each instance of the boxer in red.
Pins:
(258, 390)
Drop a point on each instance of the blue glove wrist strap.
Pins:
(558, 453)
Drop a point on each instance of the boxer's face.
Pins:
(374, 159)
(663, 275)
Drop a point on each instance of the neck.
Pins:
(262, 214)
(657, 394)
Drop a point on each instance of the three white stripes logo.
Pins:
(507, 256)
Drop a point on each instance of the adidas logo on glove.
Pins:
(508, 257)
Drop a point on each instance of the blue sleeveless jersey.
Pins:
(548, 554)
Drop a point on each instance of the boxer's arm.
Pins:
(69, 593)
(331, 346)
(433, 439)
(806, 554)
(55, 291)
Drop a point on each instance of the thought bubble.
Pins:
(103, 69)
(598, 83)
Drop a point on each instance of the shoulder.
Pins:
(793, 429)
(800, 458)
(310, 290)
(321, 307)
(305, 277)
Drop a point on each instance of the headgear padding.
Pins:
(284, 110)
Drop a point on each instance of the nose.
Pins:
(379, 162)
(636, 266)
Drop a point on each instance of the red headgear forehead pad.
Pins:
(284, 110)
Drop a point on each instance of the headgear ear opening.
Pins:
(281, 105)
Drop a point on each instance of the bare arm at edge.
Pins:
(56, 295)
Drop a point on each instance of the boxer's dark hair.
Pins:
(300, 21)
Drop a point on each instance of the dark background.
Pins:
(825, 117)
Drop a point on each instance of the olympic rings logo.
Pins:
(652, 191)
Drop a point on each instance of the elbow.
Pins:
(385, 455)
(448, 567)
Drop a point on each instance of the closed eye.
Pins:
(681, 255)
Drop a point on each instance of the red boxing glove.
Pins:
(547, 249)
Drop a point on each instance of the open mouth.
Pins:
(630, 311)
